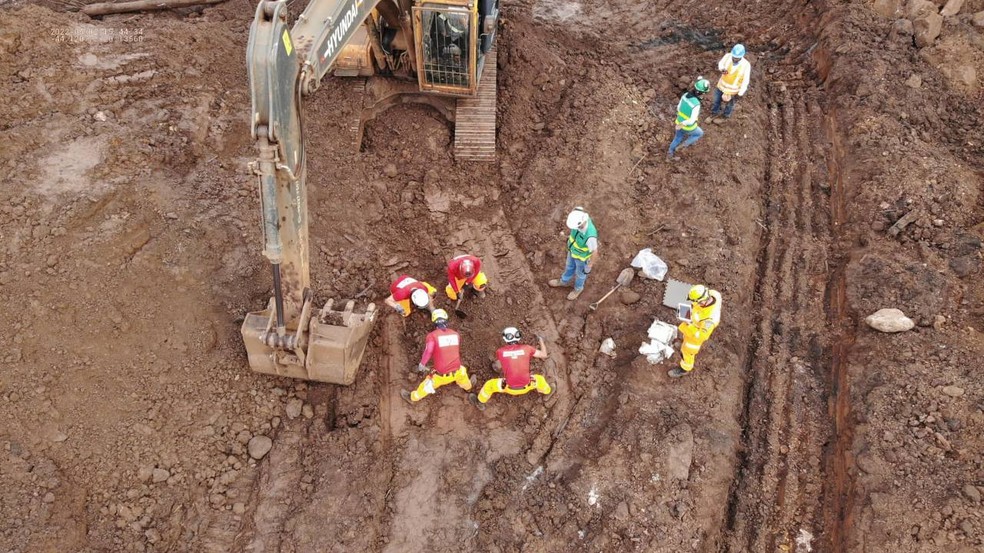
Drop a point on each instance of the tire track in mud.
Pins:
(773, 501)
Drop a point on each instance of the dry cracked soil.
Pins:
(850, 180)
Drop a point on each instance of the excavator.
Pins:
(436, 52)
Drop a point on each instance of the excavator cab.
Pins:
(452, 39)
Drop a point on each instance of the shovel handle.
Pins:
(594, 306)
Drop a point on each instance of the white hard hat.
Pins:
(577, 218)
(419, 298)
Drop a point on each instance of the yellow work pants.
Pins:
(435, 381)
(693, 338)
(478, 283)
(498, 385)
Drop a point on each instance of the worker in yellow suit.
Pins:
(705, 314)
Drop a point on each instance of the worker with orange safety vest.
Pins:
(513, 360)
(736, 73)
(705, 315)
(407, 292)
(465, 270)
(441, 344)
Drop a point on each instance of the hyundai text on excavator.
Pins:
(436, 52)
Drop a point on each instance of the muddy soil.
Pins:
(849, 180)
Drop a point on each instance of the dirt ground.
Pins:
(130, 250)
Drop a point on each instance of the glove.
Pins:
(400, 309)
(422, 368)
(726, 97)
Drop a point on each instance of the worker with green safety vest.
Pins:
(688, 110)
(582, 252)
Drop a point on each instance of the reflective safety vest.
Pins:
(577, 242)
(515, 360)
(734, 80)
(707, 318)
(687, 111)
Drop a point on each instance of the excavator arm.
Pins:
(288, 338)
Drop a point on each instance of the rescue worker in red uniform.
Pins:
(407, 292)
(513, 360)
(465, 270)
(442, 344)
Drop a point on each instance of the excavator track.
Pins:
(474, 121)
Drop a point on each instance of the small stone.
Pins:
(239, 508)
(307, 411)
(152, 535)
(293, 408)
(889, 320)
(171, 215)
(52, 260)
(972, 493)
(953, 391)
(49, 498)
(390, 170)
(979, 18)
(59, 436)
(952, 8)
(259, 446)
(914, 81)
(622, 511)
(628, 297)
(145, 473)
(160, 475)
(99, 116)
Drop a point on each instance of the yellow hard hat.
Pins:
(439, 315)
(698, 293)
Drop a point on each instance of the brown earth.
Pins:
(130, 251)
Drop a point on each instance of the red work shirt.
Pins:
(404, 285)
(443, 345)
(515, 361)
(454, 270)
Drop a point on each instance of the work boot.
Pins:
(474, 400)
(574, 294)
(676, 372)
(480, 293)
(473, 380)
(406, 396)
(556, 283)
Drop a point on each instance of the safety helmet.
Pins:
(419, 298)
(577, 218)
(698, 293)
(439, 316)
(467, 268)
(511, 335)
(738, 51)
(702, 85)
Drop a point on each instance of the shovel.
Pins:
(624, 278)
(457, 307)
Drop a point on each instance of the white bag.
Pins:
(662, 332)
(655, 352)
(651, 265)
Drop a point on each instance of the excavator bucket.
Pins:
(330, 347)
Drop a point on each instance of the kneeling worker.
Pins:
(465, 270)
(442, 343)
(406, 291)
(513, 360)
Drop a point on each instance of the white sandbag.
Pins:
(655, 352)
(650, 264)
(662, 332)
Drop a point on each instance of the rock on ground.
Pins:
(889, 320)
(259, 446)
